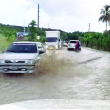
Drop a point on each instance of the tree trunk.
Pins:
(106, 25)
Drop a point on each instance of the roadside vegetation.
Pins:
(4, 43)
(96, 40)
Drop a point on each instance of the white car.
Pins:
(20, 57)
(65, 43)
(71, 44)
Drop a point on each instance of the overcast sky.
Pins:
(67, 15)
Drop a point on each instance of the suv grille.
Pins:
(14, 61)
(8, 61)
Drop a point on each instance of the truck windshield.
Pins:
(51, 39)
(22, 48)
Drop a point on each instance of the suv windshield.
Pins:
(22, 48)
(51, 39)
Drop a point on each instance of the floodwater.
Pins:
(64, 74)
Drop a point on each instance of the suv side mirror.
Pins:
(39, 46)
(40, 52)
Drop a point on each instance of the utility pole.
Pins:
(24, 26)
(89, 28)
(82, 29)
(48, 25)
(38, 15)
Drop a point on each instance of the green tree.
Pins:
(32, 30)
(106, 33)
(105, 17)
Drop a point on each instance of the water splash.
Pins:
(52, 62)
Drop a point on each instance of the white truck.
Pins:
(53, 40)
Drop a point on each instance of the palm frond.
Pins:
(106, 7)
(105, 14)
(102, 11)
(102, 18)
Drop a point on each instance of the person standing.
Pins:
(76, 45)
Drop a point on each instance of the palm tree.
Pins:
(105, 17)
(32, 29)
(32, 23)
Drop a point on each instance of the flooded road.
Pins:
(67, 75)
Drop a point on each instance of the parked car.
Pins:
(20, 57)
(71, 44)
(65, 43)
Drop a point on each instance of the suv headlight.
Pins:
(46, 46)
(2, 61)
(30, 61)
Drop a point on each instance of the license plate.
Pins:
(14, 67)
(50, 47)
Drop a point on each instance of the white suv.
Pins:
(20, 57)
(71, 44)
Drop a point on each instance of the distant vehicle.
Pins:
(20, 35)
(20, 57)
(65, 43)
(53, 40)
(41, 47)
(71, 44)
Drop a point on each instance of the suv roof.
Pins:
(26, 42)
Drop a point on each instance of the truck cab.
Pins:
(53, 40)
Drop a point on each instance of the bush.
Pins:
(4, 43)
(97, 40)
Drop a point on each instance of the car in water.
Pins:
(20, 57)
(71, 45)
